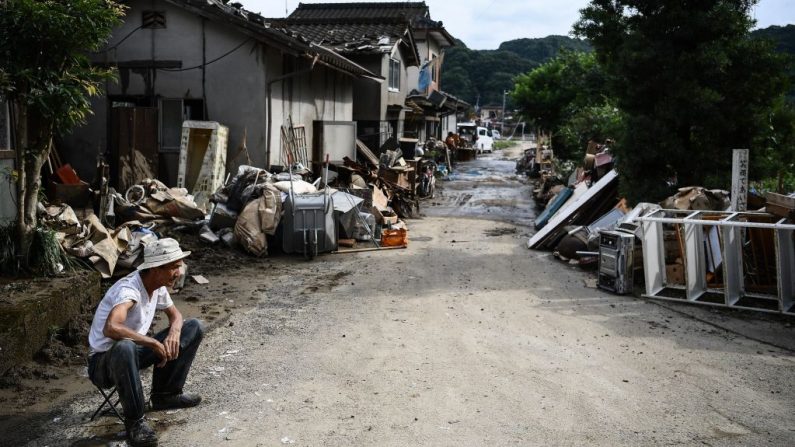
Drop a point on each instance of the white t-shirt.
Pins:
(139, 317)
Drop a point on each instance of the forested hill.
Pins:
(784, 36)
(541, 50)
(468, 73)
(487, 73)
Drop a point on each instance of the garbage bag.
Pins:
(259, 218)
(299, 187)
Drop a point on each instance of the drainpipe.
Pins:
(205, 112)
(270, 108)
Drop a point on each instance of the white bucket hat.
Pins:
(162, 252)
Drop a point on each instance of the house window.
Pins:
(394, 75)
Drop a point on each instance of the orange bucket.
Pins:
(394, 238)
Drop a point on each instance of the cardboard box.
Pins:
(384, 217)
(675, 274)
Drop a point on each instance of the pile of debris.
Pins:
(146, 209)
(692, 246)
(298, 216)
(589, 195)
(301, 207)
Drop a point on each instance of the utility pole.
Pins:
(502, 118)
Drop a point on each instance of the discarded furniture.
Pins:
(593, 203)
(202, 159)
(753, 255)
(616, 250)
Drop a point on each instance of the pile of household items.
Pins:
(691, 247)
(114, 237)
(348, 206)
(306, 217)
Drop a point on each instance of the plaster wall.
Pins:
(427, 48)
(233, 84)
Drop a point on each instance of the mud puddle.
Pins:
(486, 188)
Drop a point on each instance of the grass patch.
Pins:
(503, 144)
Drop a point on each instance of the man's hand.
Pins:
(161, 351)
(171, 344)
(175, 328)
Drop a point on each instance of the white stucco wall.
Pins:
(427, 48)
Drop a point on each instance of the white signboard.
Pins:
(740, 180)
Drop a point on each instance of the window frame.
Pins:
(394, 75)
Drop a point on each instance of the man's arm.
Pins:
(115, 329)
(175, 329)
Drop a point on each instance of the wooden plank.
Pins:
(360, 250)
(366, 152)
(780, 200)
(780, 211)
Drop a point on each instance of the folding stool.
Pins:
(107, 397)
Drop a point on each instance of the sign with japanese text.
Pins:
(740, 180)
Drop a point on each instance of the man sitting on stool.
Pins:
(120, 346)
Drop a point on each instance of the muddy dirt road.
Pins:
(466, 338)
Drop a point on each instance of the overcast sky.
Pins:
(484, 24)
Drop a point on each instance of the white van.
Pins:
(485, 142)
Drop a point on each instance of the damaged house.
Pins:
(189, 60)
(397, 41)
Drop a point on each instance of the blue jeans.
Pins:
(120, 367)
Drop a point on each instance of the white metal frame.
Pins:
(731, 228)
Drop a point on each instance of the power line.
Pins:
(120, 42)
(209, 62)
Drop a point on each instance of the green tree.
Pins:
(47, 79)
(777, 159)
(691, 82)
(572, 85)
(596, 122)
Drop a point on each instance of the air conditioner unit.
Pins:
(615, 261)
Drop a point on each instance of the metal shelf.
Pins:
(731, 228)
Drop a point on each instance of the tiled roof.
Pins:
(415, 14)
(346, 36)
(361, 10)
(254, 24)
